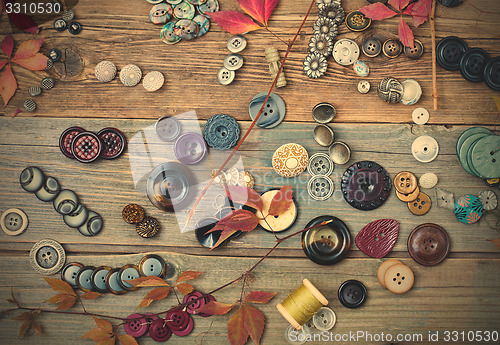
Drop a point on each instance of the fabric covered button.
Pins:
(314, 65)
(278, 223)
(449, 51)
(345, 51)
(399, 278)
(411, 92)
(416, 52)
(112, 282)
(152, 265)
(425, 149)
(339, 152)
(273, 113)
(352, 294)
(92, 225)
(34, 91)
(233, 62)
(186, 29)
(113, 142)
(428, 244)
(29, 105)
(488, 199)
(168, 35)
(159, 330)
(128, 272)
(323, 112)
(377, 238)
(360, 68)
(168, 128)
(148, 227)
(14, 221)
(84, 278)
(320, 187)
(445, 199)
(392, 48)
(76, 218)
(66, 202)
(320, 164)
(31, 179)
(324, 319)
(357, 21)
(66, 139)
(74, 28)
(153, 81)
(225, 76)
(428, 180)
(290, 160)
(136, 325)
(405, 182)
(323, 135)
(86, 147)
(472, 64)
(420, 116)
(236, 43)
(364, 86)
(382, 269)
(203, 24)
(492, 74)
(160, 13)
(70, 272)
(421, 205)
(60, 24)
(98, 279)
(105, 71)
(221, 132)
(468, 209)
(390, 90)
(133, 213)
(130, 75)
(371, 47)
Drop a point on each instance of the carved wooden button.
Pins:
(405, 182)
(421, 205)
(428, 244)
(382, 269)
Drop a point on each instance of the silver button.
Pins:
(225, 76)
(320, 164)
(233, 62)
(236, 43)
(320, 187)
(420, 116)
(47, 257)
(345, 51)
(14, 222)
(324, 319)
(323, 112)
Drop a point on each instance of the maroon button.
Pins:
(186, 331)
(378, 238)
(66, 139)
(113, 142)
(150, 317)
(197, 302)
(86, 147)
(208, 298)
(159, 330)
(136, 328)
(177, 319)
(428, 244)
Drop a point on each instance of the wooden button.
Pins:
(278, 223)
(421, 205)
(405, 182)
(408, 197)
(382, 269)
(428, 244)
(399, 278)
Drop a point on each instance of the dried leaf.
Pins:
(254, 8)
(234, 22)
(215, 308)
(110, 341)
(144, 303)
(226, 233)
(405, 34)
(2, 63)
(184, 288)
(269, 6)
(58, 298)
(17, 112)
(421, 11)
(254, 323)
(236, 330)
(8, 45)
(377, 11)
(10, 300)
(8, 85)
(496, 242)
(403, 4)
(37, 328)
(243, 220)
(23, 316)
(245, 196)
(103, 324)
(158, 293)
(96, 334)
(34, 63)
(281, 201)
(90, 295)
(60, 286)
(67, 303)
(28, 49)
(187, 275)
(126, 339)
(24, 328)
(148, 281)
(497, 102)
(23, 22)
(259, 297)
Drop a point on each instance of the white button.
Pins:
(295, 337)
(14, 222)
(420, 116)
(153, 81)
(225, 76)
(364, 86)
(236, 44)
(428, 180)
(411, 91)
(233, 62)
(425, 149)
(345, 51)
(324, 319)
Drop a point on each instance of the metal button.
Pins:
(364, 86)
(225, 76)
(314, 65)
(340, 153)
(66, 202)
(321, 44)
(377, 238)
(54, 54)
(445, 199)
(420, 116)
(84, 278)
(190, 148)
(128, 272)
(421, 205)
(411, 92)
(357, 21)
(133, 213)
(74, 28)
(428, 244)
(130, 75)
(320, 164)
(31, 179)
(112, 282)
(47, 83)
(399, 278)
(92, 225)
(76, 218)
(278, 223)
(60, 24)
(153, 81)
(160, 13)
(113, 142)
(236, 43)
(184, 10)
(428, 180)
(49, 190)
(325, 26)
(488, 199)
(405, 182)
(233, 62)
(98, 279)
(148, 227)
(333, 11)
(34, 91)
(66, 139)
(68, 15)
(70, 272)
(390, 90)
(47, 257)
(320, 187)
(371, 47)
(221, 132)
(345, 51)
(425, 149)
(168, 128)
(392, 48)
(273, 112)
(416, 52)
(468, 209)
(14, 221)
(86, 147)
(323, 135)
(290, 160)
(29, 105)
(352, 294)
(449, 52)
(152, 265)
(324, 319)
(323, 112)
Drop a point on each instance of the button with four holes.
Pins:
(190, 148)
(449, 52)
(399, 278)
(405, 182)
(352, 294)
(159, 330)
(421, 205)
(236, 43)
(225, 76)
(371, 47)
(320, 164)
(320, 187)
(233, 62)
(428, 244)
(392, 48)
(168, 128)
(14, 221)
(416, 52)
(136, 325)
(472, 64)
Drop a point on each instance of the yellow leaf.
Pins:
(148, 281)
(105, 325)
(145, 302)
(60, 286)
(90, 295)
(96, 334)
(67, 303)
(188, 275)
(185, 288)
(57, 298)
(497, 102)
(126, 339)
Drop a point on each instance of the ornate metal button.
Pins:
(130, 75)
(371, 47)
(390, 90)
(47, 257)
(340, 153)
(320, 164)
(153, 81)
(333, 11)
(148, 227)
(392, 48)
(314, 65)
(325, 26)
(105, 71)
(290, 160)
(221, 132)
(416, 52)
(345, 51)
(357, 21)
(273, 113)
(320, 187)
(133, 213)
(321, 44)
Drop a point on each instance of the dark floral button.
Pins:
(321, 44)
(133, 213)
(221, 132)
(449, 52)
(113, 142)
(428, 244)
(357, 21)
(472, 64)
(468, 209)
(325, 26)
(333, 11)
(86, 147)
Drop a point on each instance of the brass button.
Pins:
(408, 197)
(405, 182)
(421, 205)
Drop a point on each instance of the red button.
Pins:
(66, 139)
(159, 330)
(86, 147)
(136, 328)
(187, 330)
(177, 320)
(113, 142)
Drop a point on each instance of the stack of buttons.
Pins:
(145, 226)
(61, 24)
(320, 186)
(233, 61)
(65, 202)
(395, 276)
(407, 190)
(324, 320)
(478, 150)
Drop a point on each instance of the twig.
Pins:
(270, 227)
(433, 43)
(272, 33)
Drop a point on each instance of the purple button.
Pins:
(159, 331)
(208, 298)
(136, 328)
(190, 148)
(198, 302)
(186, 331)
(177, 319)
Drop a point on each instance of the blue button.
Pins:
(84, 278)
(273, 112)
(221, 132)
(152, 265)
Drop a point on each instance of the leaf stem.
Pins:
(279, 38)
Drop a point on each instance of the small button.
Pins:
(14, 221)
(420, 116)
(177, 319)
(130, 75)
(150, 317)
(128, 272)
(411, 92)
(105, 71)
(360, 68)
(408, 197)
(159, 330)
(399, 278)
(203, 24)
(390, 90)
(221, 132)
(49, 190)
(320, 187)
(325, 26)
(278, 223)
(320, 164)
(205, 238)
(449, 52)
(66, 139)
(339, 152)
(321, 44)
(290, 160)
(468, 209)
(323, 135)
(323, 112)
(84, 278)
(152, 265)
(76, 218)
(492, 182)
(294, 336)
(66, 202)
(148, 227)
(136, 325)
(70, 272)
(225, 76)
(74, 28)
(68, 15)
(92, 225)
(246, 179)
(133, 213)
(34, 91)
(208, 7)
(31, 179)
(352, 294)
(86, 147)
(428, 180)
(167, 34)
(168, 128)
(377, 238)
(392, 48)
(184, 10)
(190, 148)
(186, 29)
(428, 244)
(472, 64)
(488, 199)
(425, 149)
(416, 52)
(273, 112)
(113, 142)
(54, 54)
(233, 62)
(60, 24)
(364, 86)
(371, 47)
(112, 282)
(236, 43)
(314, 65)
(345, 52)
(382, 269)
(29, 105)
(357, 21)
(324, 319)
(160, 13)
(98, 279)
(405, 182)
(421, 205)
(50, 64)
(492, 74)
(445, 199)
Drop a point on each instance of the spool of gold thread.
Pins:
(301, 305)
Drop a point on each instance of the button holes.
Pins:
(398, 274)
(402, 278)
(394, 279)
(399, 283)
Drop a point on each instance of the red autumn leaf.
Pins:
(90, 295)
(67, 303)
(126, 339)
(103, 324)
(226, 233)
(234, 22)
(405, 34)
(20, 20)
(420, 11)
(17, 112)
(254, 8)
(236, 330)
(187, 275)
(496, 242)
(245, 196)
(110, 341)
(97, 334)
(28, 49)
(8, 45)
(184, 288)
(34, 63)
(254, 323)
(377, 11)
(259, 297)
(8, 85)
(403, 4)
(215, 308)
(269, 6)
(281, 201)
(2, 63)
(60, 286)
(395, 4)
(243, 220)
(148, 281)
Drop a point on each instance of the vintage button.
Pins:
(14, 221)
(472, 64)
(86, 147)
(113, 142)
(159, 331)
(74, 28)
(421, 205)
(425, 149)
(392, 48)
(29, 105)
(171, 2)
(371, 47)
(112, 282)
(352, 294)
(294, 336)
(468, 209)
(485, 157)
(428, 180)
(290, 160)
(320, 187)
(50, 64)
(84, 278)
(225, 76)
(405, 182)
(31, 179)
(150, 317)
(66, 139)
(148, 227)
(320, 164)
(92, 226)
(420, 116)
(54, 54)
(160, 13)
(136, 325)
(322, 3)
(278, 223)
(321, 44)
(340, 153)
(233, 62)
(236, 43)
(492, 182)
(60, 24)
(203, 24)
(449, 51)
(70, 272)
(76, 218)
(153, 81)
(356, 21)
(445, 199)
(416, 52)
(193, 302)
(390, 90)
(360, 68)
(246, 179)
(208, 7)
(34, 91)
(324, 319)
(382, 269)
(205, 238)
(66, 202)
(411, 92)
(130, 75)
(184, 10)
(177, 319)
(333, 11)
(186, 29)
(98, 279)
(325, 26)
(364, 86)
(377, 238)
(327, 244)
(399, 278)
(168, 128)
(105, 71)
(169, 186)
(133, 213)
(463, 152)
(167, 34)
(492, 74)
(345, 51)
(185, 332)
(450, 3)
(221, 132)
(366, 185)
(152, 265)
(488, 199)
(231, 176)
(323, 135)
(408, 197)
(314, 65)
(128, 272)
(428, 244)
(68, 15)
(323, 112)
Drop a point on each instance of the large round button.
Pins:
(31, 179)
(449, 51)
(411, 92)
(280, 222)
(390, 90)
(425, 149)
(273, 112)
(485, 157)
(320, 164)
(221, 132)
(324, 319)
(49, 191)
(345, 51)
(70, 272)
(84, 278)
(236, 43)
(392, 48)
(98, 279)
(76, 218)
(137, 326)
(421, 205)
(405, 182)
(113, 142)
(320, 187)
(488, 199)
(66, 139)
(371, 47)
(399, 278)
(323, 135)
(86, 147)
(190, 148)
(290, 160)
(205, 238)
(128, 272)
(428, 244)
(416, 52)
(492, 74)
(326, 244)
(130, 75)
(352, 294)
(92, 225)
(357, 21)
(377, 238)
(323, 112)
(14, 221)
(168, 128)
(468, 209)
(66, 202)
(148, 227)
(472, 64)
(339, 152)
(152, 265)
(159, 330)
(112, 282)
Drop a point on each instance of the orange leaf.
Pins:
(215, 308)
(158, 293)
(148, 281)
(254, 8)
(245, 196)
(67, 303)
(28, 49)
(24, 328)
(281, 201)
(8, 85)
(60, 286)
(184, 288)
(243, 220)
(37, 328)
(405, 34)
(23, 316)
(259, 297)
(126, 339)
(110, 341)
(188, 275)
(144, 303)
(103, 324)
(58, 298)
(497, 102)
(8, 45)
(234, 22)
(90, 295)
(254, 323)
(34, 63)
(496, 242)
(96, 334)
(236, 331)
(226, 233)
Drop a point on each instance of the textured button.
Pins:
(205, 238)
(408, 197)
(60, 24)
(320, 164)
(47, 257)
(98, 279)
(485, 157)
(445, 199)
(390, 90)
(233, 62)
(168, 35)
(148, 227)
(352, 294)
(86, 147)
(405, 182)
(184, 10)
(76, 218)
(203, 24)
(113, 142)
(153, 81)
(54, 54)
(360, 68)
(323, 135)
(186, 29)
(421, 205)
(324, 319)
(420, 116)
(416, 52)
(29, 105)
(273, 112)
(371, 47)
(449, 52)
(225, 76)
(130, 75)
(428, 244)
(49, 190)
(325, 26)
(92, 226)
(321, 44)
(84, 278)
(66, 202)
(333, 11)
(399, 278)
(133, 213)
(74, 28)
(468, 209)
(492, 182)
(136, 325)
(472, 64)
(208, 7)
(411, 92)
(366, 185)
(488, 199)
(314, 65)
(68, 15)
(190, 148)
(159, 331)
(66, 139)
(327, 244)
(128, 272)
(492, 74)
(246, 179)
(236, 43)
(377, 238)
(168, 128)
(112, 282)
(323, 112)
(31, 179)
(425, 149)
(382, 269)
(428, 180)
(392, 48)
(14, 221)
(345, 51)
(340, 153)
(278, 223)
(356, 21)
(70, 272)
(50, 64)
(323, 3)
(364, 86)
(160, 13)
(290, 160)
(34, 91)
(221, 132)
(152, 265)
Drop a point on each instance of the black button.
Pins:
(371, 47)
(113, 142)
(492, 74)
(203, 236)
(449, 3)
(416, 52)
(74, 28)
(356, 21)
(352, 294)
(449, 51)
(54, 54)
(60, 24)
(472, 64)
